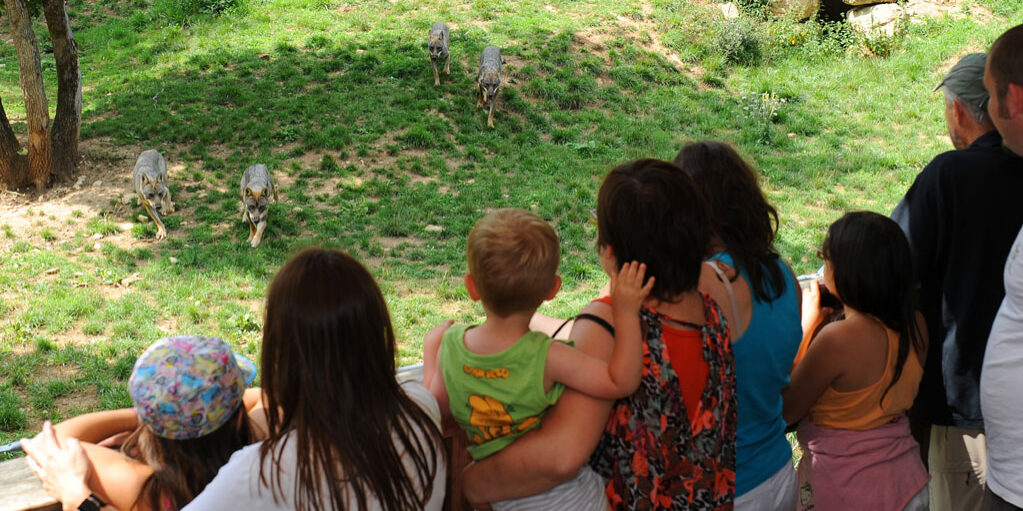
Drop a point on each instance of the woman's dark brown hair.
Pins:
(329, 382)
(649, 211)
(740, 215)
(182, 468)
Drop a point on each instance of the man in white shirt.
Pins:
(1002, 375)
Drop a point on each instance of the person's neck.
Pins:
(498, 332)
(687, 307)
(970, 134)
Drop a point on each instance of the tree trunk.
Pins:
(67, 121)
(40, 164)
(13, 166)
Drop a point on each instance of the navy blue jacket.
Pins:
(961, 216)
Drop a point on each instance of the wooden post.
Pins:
(22, 490)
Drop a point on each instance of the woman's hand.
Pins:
(812, 312)
(63, 469)
(627, 289)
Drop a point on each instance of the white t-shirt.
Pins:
(237, 485)
(1001, 386)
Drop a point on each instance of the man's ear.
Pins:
(554, 288)
(958, 111)
(1014, 100)
(470, 286)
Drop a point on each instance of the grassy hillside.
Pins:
(338, 99)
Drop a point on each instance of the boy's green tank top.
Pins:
(496, 398)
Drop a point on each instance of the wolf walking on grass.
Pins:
(438, 42)
(257, 187)
(151, 187)
(488, 79)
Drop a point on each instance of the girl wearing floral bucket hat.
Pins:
(188, 418)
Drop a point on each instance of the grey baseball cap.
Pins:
(966, 80)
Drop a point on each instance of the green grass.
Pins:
(337, 98)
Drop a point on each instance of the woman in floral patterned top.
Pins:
(671, 445)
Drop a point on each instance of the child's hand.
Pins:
(627, 289)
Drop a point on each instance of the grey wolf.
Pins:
(257, 187)
(488, 79)
(438, 43)
(151, 187)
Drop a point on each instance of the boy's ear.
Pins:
(555, 288)
(470, 286)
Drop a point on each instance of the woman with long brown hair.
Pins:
(343, 434)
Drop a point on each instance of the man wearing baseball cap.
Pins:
(961, 216)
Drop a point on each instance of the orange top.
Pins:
(862, 409)
(685, 351)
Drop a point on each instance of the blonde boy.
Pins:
(496, 379)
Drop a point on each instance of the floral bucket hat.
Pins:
(188, 387)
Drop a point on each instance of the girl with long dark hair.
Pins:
(859, 375)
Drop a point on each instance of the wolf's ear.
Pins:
(248, 192)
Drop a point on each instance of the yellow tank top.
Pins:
(862, 409)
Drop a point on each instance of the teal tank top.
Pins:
(763, 358)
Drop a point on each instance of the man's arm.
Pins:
(554, 452)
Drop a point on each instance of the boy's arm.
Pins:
(431, 350)
(431, 366)
(97, 426)
(620, 376)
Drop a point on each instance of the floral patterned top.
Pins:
(651, 454)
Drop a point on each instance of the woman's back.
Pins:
(238, 482)
(861, 399)
(763, 357)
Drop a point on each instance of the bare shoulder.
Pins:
(591, 336)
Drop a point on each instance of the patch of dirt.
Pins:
(84, 399)
(103, 186)
(917, 9)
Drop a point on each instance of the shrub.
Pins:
(738, 42)
(183, 12)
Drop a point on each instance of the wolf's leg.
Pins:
(447, 65)
(490, 117)
(161, 231)
(168, 206)
(252, 229)
(436, 77)
(259, 234)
